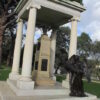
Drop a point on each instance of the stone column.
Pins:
(72, 47)
(25, 82)
(52, 55)
(14, 75)
(73, 37)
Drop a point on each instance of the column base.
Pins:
(65, 84)
(14, 76)
(54, 78)
(25, 85)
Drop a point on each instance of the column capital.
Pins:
(19, 20)
(75, 19)
(34, 6)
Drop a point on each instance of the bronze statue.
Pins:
(77, 69)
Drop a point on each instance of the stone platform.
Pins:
(6, 93)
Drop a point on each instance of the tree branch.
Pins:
(12, 21)
(13, 13)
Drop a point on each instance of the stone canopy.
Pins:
(52, 13)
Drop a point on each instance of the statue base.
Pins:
(65, 84)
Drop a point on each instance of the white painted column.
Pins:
(73, 37)
(72, 47)
(29, 42)
(14, 75)
(52, 55)
(25, 82)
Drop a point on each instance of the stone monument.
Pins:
(41, 71)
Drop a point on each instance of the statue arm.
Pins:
(73, 68)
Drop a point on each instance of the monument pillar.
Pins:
(14, 75)
(25, 81)
(72, 47)
(52, 55)
(73, 37)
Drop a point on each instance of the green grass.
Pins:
(93, 88)
(60, 78)
(4, 73)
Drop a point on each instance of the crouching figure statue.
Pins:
(76, 69)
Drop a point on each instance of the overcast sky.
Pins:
(90, 19)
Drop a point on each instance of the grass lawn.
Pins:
(93, 88)
(4, 73)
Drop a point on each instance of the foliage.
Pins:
(95, 55)
(7, 18)
(84, 45)
(96, 52)
(91, 50)
(8, 47)
(62, 45)
(63, 37)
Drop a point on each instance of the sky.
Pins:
(89, 21)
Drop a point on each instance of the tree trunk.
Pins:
(1, 40)
(0, 48)
(10, 55)
(2, 28)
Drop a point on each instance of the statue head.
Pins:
(74, 59)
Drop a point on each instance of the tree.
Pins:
(96, 52)
(11, 49)
(95, 55)
(7, 18)
(84, 45)
(62, 47)
(8, 46)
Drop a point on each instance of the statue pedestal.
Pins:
(45, 82)
(41, 72)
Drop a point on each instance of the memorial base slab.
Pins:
(39, 93)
